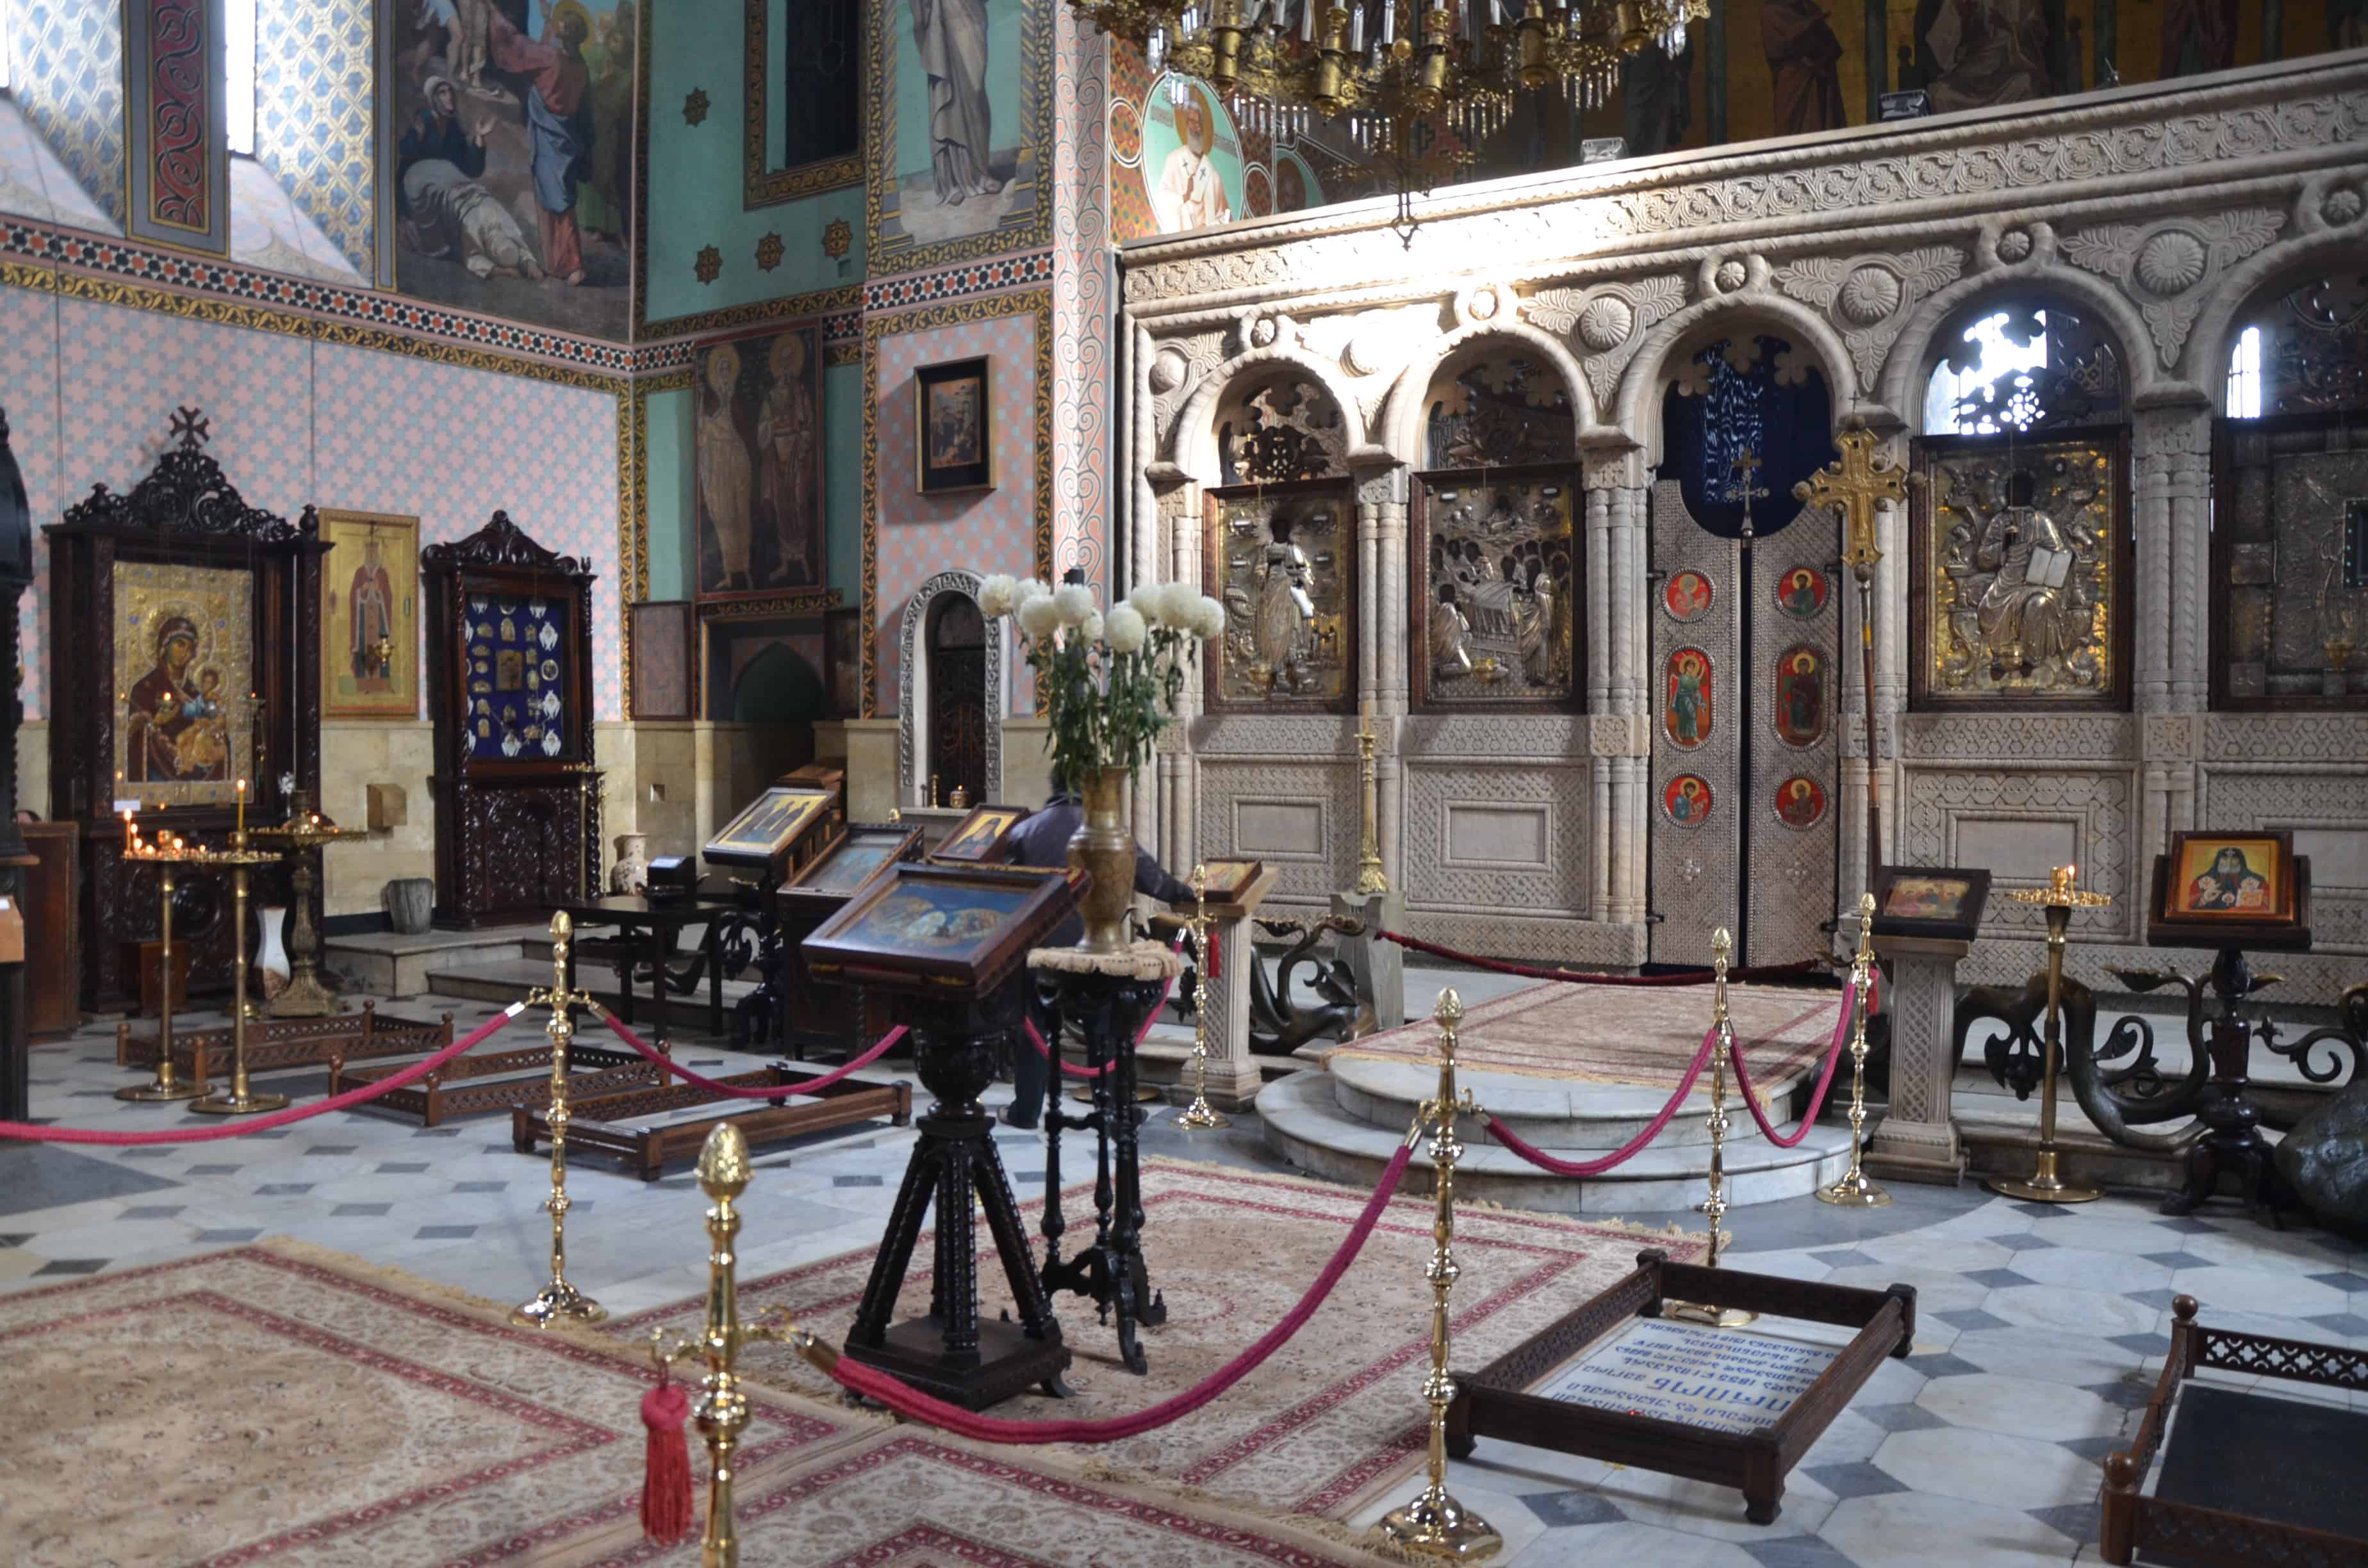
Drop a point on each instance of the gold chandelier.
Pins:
(1388, 70)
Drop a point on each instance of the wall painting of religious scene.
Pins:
(185, 660)
(959, 131)
(758, 465)
(1282, 563)
(1191, 165)
(2019, 564)
(1799, 710)
(1688, 712)
(512, 124)
(1498, 608)
(518, 650)
(369, 617)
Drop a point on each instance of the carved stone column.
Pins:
(2170, 515)
(1916, 1140)
(1618, 594)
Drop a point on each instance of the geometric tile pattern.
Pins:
(67, 64)
(313, 105)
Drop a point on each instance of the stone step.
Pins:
(509, 979)
(394, 963)
(1304, 1124)
(1556, 1114)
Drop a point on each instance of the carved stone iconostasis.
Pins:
(509, 682)
(2048, 314)
(199, 620)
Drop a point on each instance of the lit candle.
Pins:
(242, 811)
(128, 834)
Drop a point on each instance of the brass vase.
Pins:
(1104, 850)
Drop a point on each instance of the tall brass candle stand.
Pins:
(1722, 947)
(304, 996)
(238, 1099)
(721, 1410)
(1370, 877)
(1435, 1524)
(2060, 898)
(1199, 1115)
(1855, 1190)
(167, 1084)
(559, 1301)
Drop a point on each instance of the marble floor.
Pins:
(2039, 1328)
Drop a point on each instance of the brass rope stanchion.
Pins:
(721, 1410)
(1199, 1116)
(559, 1301)
(167, 1084)
(238, 1099)
(1435, 1523)
(1855, 1189)
(2047, 1185)
(1714, 1205)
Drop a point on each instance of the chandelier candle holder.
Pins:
(1199, 1116)
(1856, 1189)
(2059, 899)
(1109, 684)
(1722, 947)
(559, 1301)
(1435, 1524)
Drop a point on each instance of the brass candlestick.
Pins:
(2060, 898)
(304, 831)
(721, 1410)
(1199, 1116)
(167, 1084)
(1855, 1189)
(1370, 877)
(1435, 1523)
(559, 1301)
(1722, 946)
(238, 1099)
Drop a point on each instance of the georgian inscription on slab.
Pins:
(1718, 1379)
(2020, 567)
(1499, 603)
(1283, 567)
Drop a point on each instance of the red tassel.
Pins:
(666, 1476)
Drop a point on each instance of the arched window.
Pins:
(1498, 411)
(2022, 366)
(1744, 419)
(956, 640)
(1277, 431)
(2301, 351)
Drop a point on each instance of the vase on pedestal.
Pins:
(272, 958)
(1103, 848)
(631, 874)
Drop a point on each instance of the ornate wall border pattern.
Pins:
(1038, 302)
(761, 186)
(978, 277)
(822, 302)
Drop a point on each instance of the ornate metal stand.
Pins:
(721, 1410)
(305, 832)
(168, 1084)
(1856, 1189)
(1714, 1205)
(951, 1353)
(1199, 1116)
(239, 1100)
(1371, 879)
(559, 1301)
(1109, 1270)
(2047, 1184)
(1435, 1524)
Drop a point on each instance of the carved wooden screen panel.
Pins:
(1697, 746)
(1282, 560)
(2019, 573)
(2290, 564)
(1496, 601)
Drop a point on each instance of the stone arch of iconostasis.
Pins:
(2289, 584)
(1742, 670)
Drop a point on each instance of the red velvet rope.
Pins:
(37, 1133)
(1627, 1151)
(1825, 1079)
(1703, 977)
(909, 1401)
(734, 1091)
(1036, 1038)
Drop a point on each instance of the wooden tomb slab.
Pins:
(1744, 1436)
(477, 1082)
(646, 1127)
(276, 1043)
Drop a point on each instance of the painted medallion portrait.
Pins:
(1687, 716)
(1800, 803)
(1191, 166)
(1687, 800)
(1800, 711)
(1687, 597)
(184, 653)
(1801, 593)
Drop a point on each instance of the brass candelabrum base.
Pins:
(238, 1100)
(167, 1086)
(1438, 1525)
(559, 1301)
(1201, 1116)
(2047, 1185)
(1854, 1191)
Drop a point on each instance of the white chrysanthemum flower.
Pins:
(1125, 629)
(1092, 628)
(1207, 617)
(1038, 615)
(1146, 599)
(1074, 601)
(999, 594)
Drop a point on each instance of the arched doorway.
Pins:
(955, 645)
(1745, 672)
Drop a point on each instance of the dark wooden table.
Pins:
(651, 932)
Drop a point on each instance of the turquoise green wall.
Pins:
(671, 504)
(912, 95)
(842, 478)
(696, 184)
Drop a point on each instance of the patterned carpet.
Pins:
(1612, 1034)
(1336, 1417)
